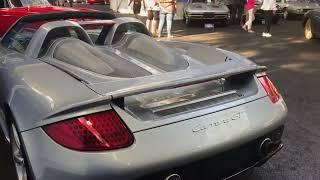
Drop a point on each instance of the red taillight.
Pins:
(94, 132)
(269, 88)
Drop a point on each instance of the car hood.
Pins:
(207, 7)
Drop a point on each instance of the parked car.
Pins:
(97, 1)
(85, 95)
(259, 14)
(205, 10)
(297, 8)
(17, 3)
(311, 24)
(78, 1)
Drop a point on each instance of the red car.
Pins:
(11, 11)
(98, 1)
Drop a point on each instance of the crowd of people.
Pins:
(158, 12)
(161, 11)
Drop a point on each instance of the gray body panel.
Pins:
(183, 143)
(41, 91)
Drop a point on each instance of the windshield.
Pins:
(22, 3)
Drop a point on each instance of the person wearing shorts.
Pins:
(153, 11)
(136, 7)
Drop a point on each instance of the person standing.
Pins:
(167, 10)
(238, 9)
(230, 4)
(137, 7)
(153, 13)
(250, 8)
(269, 7)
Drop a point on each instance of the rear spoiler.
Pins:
(129, 87)
(147, 84)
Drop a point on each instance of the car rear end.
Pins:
(196, 129)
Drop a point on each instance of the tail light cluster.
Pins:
(94, 132)
(269, 88)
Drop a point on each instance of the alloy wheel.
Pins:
(308, 30)
(17, 154)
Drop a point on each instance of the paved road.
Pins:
(294, 66)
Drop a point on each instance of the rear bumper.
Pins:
(158, 149)
(225, 165)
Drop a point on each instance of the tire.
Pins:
(245, 175)
(308, 34)
(20, 161)
(4, 132)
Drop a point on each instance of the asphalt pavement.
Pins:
(294, 66)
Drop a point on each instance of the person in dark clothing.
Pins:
(238, 10)
(269, 7)
(268, 20)
(137, 7)
(230, 4)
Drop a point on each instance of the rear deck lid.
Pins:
(170, 97)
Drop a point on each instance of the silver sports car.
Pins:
(101, 99)
(206, 10)
(294, 8)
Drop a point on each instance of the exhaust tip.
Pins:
(266, 146)
(173, 177)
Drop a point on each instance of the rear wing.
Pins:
(116, 91)
(129, 87)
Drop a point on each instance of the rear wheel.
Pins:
(308, 30)
(245, 175)
(18, 156)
